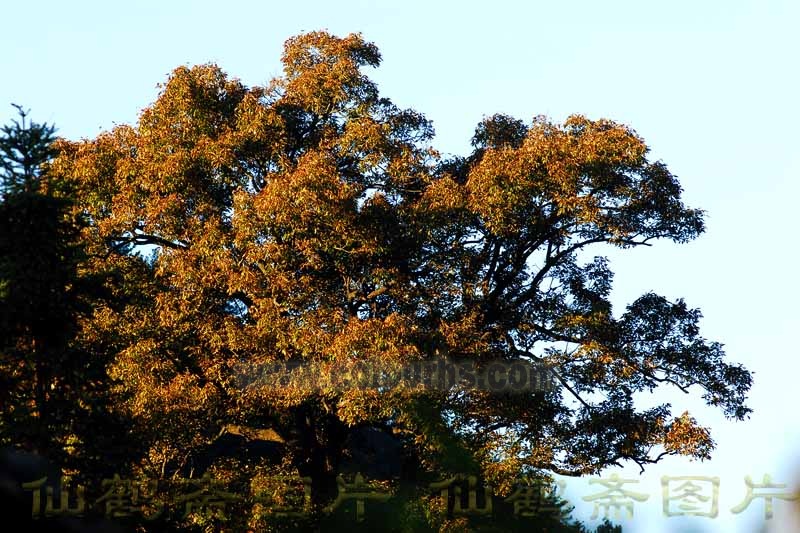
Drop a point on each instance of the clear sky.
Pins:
(712, 87)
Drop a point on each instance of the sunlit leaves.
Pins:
(310, 221)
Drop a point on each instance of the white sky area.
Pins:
(711, 86)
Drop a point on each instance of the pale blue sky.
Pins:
(711, 86)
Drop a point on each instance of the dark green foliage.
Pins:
(51, 383)
(24, 148)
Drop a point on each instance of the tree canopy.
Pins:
(311, 220)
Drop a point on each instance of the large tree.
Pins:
(36, 306)
(310, 220)
(52, 376)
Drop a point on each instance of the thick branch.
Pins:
(141, 239)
